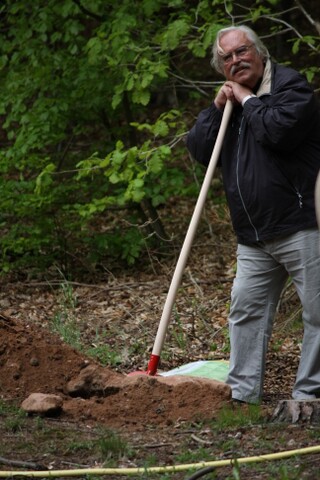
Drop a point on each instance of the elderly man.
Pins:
(270, 159)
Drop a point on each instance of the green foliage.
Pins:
(133, 173)
(112, 446)
(105, 355)
(102, 352)
(230, 418)
(15, 419)
(95, 103)
(64, 322)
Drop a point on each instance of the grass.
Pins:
(235, 433)
(288, 470)
(66, 327)
(112, 446)
(65, 324)
(104, 355)
(238, 417)
(178, 333)
(201, 454)
(12, 418)
(30, 436)
(64, 321)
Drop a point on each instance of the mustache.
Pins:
(239, 66)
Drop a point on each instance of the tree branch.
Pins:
(314, 23)
(87, 12)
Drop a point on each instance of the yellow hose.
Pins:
(165, 469)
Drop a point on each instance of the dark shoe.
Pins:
(236, 401)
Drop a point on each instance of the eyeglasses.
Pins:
(240, 52)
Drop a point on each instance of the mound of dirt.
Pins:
(34, 360)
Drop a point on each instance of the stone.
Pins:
(42, 404)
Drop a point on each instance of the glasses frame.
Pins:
(240, 52)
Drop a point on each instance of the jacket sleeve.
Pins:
(283, 120)
(202, 136)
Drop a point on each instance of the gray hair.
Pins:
(217, 51)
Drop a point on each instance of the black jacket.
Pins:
(270, 156)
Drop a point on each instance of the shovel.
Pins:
(317, 199)
(182, 260)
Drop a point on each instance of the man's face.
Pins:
(241, 62)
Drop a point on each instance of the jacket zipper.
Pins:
(238, 183)
(300, 198)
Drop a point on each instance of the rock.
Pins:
(34, 362)
(42, 404)
(95, 380)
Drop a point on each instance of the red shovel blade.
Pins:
(152, 367)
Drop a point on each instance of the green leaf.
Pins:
(172, 35)
(44, 179)
(155, 163)
(296, 46)
(197, 49)
(114, 178)
(130, 82)
(161, 128)
(137, 183)
(210, 34)
(141, 96)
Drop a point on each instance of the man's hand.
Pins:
(239, 92)
(223, 95)
(231, 91)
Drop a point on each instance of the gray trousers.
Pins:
(262, 272)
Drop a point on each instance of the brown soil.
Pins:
(33, 360)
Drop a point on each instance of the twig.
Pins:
(195, 282)
(314, 23)
(85, 285)
(157, 445)
(77, 465)
(200, 440)
(19, 463)
(283, 22)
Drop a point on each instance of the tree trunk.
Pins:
(153, 220)
(295, 411)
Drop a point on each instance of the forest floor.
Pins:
(52, 330)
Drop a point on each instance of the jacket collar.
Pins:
(265, 86)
